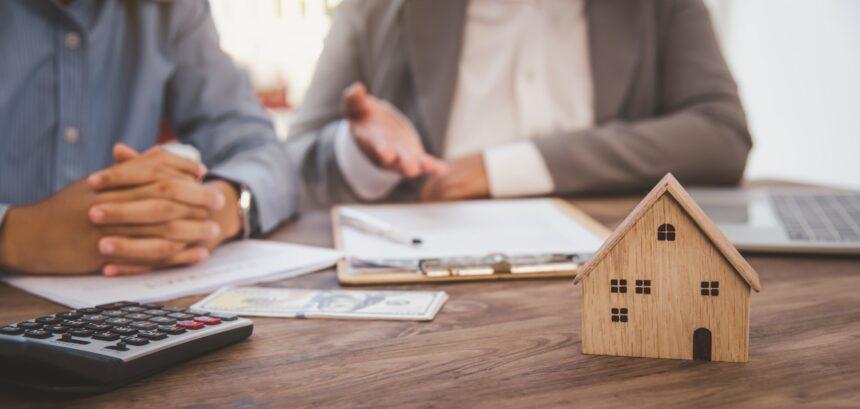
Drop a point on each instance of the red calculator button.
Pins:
(190, 324)
(208, 320)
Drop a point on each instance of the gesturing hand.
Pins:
(385, 135)
(465, 179)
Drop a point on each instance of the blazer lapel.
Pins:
(614, 51)
(433, 39)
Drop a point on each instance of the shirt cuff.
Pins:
(366, 179)
(275, 197)
(517, 169)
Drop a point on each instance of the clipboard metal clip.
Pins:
(501, 264)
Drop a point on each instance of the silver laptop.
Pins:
(788, 220)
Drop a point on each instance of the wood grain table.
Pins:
(507, 344)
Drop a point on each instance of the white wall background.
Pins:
(797, 63)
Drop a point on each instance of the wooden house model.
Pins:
(667, 284)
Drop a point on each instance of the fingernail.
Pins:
(219, 201)
(201, 170)
(97, 215)
(110, 270)
(214, 229)
(202, 255)
(95, 179)
(106, 247)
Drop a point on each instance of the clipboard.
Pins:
(505, 268)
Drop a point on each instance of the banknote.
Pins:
(304, 303)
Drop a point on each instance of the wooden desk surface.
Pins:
(509, 344)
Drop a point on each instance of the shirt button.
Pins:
(73, 40)
(71, 134)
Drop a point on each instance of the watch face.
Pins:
(250, 226)
(245, 199)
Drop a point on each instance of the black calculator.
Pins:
(93, 350)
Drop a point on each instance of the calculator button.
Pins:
(124, 330)
(120, 346)
(162, 320)
(49, 320)
(37, 333)
(133, 309)
(171, 329)
(152, 306)
(70, 315)
(135, 341)
(118, 321)
(97, 327)
(173, 309)
(105, 336)
(73, 323)
(56, 329)
(116, 305)
(11, 331)
(114, 313)
(89, 311)
(138, 316)
(93, 318)
(68, 338)
(152, 335)
(224, 317)
(155, 312)
(208, 320)
(196, 312)
(80, 332)
(190, 324)
(29, 325)
(144, 325)
(180, 316)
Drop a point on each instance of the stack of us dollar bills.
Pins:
(303, 303)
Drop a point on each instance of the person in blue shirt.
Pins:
(83, 88)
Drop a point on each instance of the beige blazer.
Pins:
(664, 99)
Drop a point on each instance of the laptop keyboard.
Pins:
(832, 217)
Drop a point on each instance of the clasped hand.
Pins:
(148, 211)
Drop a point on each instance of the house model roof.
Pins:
(669, 185)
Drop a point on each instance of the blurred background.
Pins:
(797, 63)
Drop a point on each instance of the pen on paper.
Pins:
(371, 225)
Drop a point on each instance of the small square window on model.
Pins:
(643, 286)
(618, 286)
(711, 288)
(619, 314)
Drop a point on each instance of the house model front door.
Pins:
(702, 344)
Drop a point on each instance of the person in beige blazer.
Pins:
(451, 99)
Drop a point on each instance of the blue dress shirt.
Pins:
(76, 80)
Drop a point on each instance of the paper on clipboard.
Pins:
(470, 228)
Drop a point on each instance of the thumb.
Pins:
(355, 102)
(123, 152)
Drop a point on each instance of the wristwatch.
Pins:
(247, 212)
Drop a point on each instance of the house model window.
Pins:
(619, 315)
(711, 288)
(643, 286)
(618, 286)
(666, 232)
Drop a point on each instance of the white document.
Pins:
(472, 228)
(242, 262)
